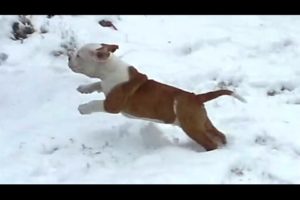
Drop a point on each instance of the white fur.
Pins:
(174, 106)
(92, 106)
(89, 88)
(111, 71)
(176, 122)
(117, 73)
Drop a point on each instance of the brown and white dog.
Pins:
(131, 93)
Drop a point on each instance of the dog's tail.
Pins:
(215, 94)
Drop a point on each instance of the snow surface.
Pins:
(44, 139)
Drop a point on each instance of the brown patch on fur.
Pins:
(194, 121)
(117, 98)
(146, 98)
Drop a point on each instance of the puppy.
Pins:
(131, 93)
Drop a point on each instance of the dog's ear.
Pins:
(102, 53)
(110, 47)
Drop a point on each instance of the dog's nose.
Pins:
(69, 60)
(69, 54)
(69, 57)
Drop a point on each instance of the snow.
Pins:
(44, 139)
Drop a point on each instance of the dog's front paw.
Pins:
(83, 109)
(85, 89)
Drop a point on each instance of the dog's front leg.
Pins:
(92, 106)
(89, 88)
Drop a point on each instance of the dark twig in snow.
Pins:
(106, 23)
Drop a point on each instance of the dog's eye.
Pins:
(77, 56)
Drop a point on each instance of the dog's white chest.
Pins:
(114, 79)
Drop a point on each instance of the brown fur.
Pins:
(144, 98)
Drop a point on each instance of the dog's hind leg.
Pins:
(215, 133)
(192, 117)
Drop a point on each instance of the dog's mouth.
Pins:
(74, 69)
(71, 66)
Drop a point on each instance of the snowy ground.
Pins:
(44, 139)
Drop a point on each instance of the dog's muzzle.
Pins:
(70, 54)
(70, 63)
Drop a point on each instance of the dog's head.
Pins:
(89, 58)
